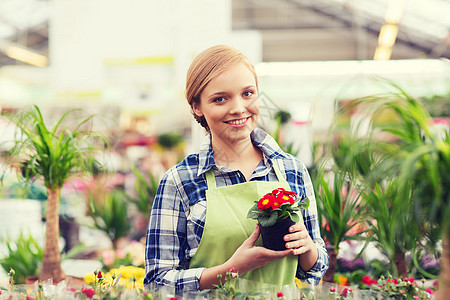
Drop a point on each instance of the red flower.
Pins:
(99, 275)
(29, 298)
(173, 298)
(88, 292)
(345, 292)
(394, 281)
(265, 202)
(232, 270)
(367, 280)
(280, 294)
(410, 280)
(276, 203)
(332, 289)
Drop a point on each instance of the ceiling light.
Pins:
(388, 34)
(26, 56)
(382, 53)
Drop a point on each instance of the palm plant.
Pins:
(53, 155)
(391, 224)
(339, 207)
(420, 160)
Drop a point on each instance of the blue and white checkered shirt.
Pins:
(179, 210)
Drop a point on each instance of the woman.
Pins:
(199, 227)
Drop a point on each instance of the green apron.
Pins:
(227, 226)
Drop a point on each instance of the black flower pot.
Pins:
(272, 236)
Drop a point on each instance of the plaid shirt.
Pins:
(179, 210)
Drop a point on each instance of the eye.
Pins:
(219, 99)
(248, 93)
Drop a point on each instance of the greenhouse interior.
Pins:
(106, 163)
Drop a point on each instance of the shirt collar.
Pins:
(269, 147)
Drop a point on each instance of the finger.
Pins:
(277, 254)
(297, 227)
(299, 251)
(251, 240)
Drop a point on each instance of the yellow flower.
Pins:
(89, 278)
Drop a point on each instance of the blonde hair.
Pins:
(209, 64)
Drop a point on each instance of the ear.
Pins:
(196, 109)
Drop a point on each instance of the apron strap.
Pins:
(211, 178)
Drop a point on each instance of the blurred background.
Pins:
(127, 60)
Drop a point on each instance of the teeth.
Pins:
(238, 122)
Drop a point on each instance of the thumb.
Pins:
(251, 240)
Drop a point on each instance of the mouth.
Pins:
(237, 122)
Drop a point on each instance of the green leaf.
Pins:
(303, 204)
(294, 217)
(267, 221)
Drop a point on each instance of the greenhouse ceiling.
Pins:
(292, 30)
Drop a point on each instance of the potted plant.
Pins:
(53, 154)
(275, 213)
(420, 159)
(339, 210)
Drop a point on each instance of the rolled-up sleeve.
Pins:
(166, 263)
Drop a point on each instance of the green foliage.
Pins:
(390, 221)
(110, 214)
(24, 257)
(53, 154)
(394, 288)
(418, 157)
(339, 206)
(437, 105)
(170, 139)
(228, 289)
(145, 191)
(282, 116)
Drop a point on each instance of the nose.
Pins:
(238, 106)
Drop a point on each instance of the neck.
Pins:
(235, 154)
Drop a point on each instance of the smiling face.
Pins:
(230, 105)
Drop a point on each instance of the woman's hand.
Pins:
(299, 241)
(248, 256)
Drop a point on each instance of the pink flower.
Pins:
(332, 289)
(345, 292)
(108, 257)
(280, 294)
(430, 291)
(72, 290)
(29, 298)
(120, 254)
(88, 292)
(144, 294)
